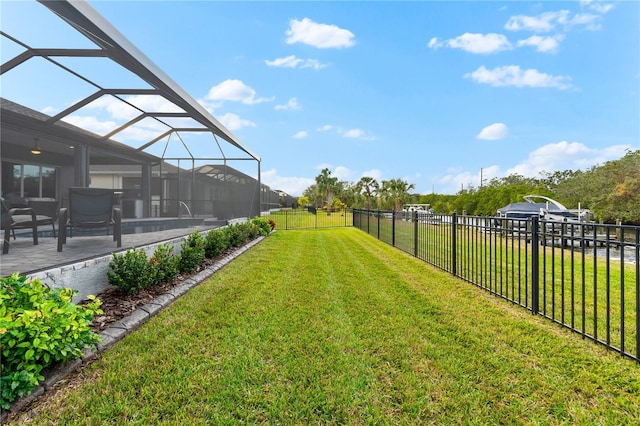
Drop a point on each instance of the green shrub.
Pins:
(38, 327)
(263, 225)
(252, 231)
(192, 252)
(215, 243)
(166, 263)
(235, 235)
(132, 271)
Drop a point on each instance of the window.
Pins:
(28, 180)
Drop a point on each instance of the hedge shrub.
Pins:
(131, 271)
(166, 263)
(192, 252)
(39, 326)
(215, 243)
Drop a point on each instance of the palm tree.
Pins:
(368, 186)
(397, 191)
(326, 185)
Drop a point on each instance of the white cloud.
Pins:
(235, 90)
(291, 185)
(138, 132)
(542, 44)
(493, 132)
(292, 61)
(544, 22)
(373, 173)
(323, 166)
(325, 128)
(597, 6)
(474, 43)
(322, 36)
(565, 156)
(313, 63)
(548, 158)
(341, 172)
(91, 124)
(356, 134)
(549, 21)
(300, 135)
(353, 133)
(234, 122)
(291, 104)
(512, 75)
(434, 43)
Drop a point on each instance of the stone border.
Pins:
(119, 329)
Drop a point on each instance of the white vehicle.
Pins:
(548, 209)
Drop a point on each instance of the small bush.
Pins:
(38, 327)
(215, 243)
(166, 263)
(132, 271)
(234, 235)
(252, 231)
(192, 252)
(263, 225)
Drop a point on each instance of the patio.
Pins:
(83, 263)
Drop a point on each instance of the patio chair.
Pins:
(89, 208)
(17, 214)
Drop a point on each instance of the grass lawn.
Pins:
(302, 219)
(333, 326)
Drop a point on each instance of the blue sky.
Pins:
(430, 92)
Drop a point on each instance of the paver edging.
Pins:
(118, 330)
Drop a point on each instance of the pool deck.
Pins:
(83, 263)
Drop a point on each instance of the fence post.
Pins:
(378, 214)
(454, 244)
(393, 228)
(368, 216)
(286, 220)
(535, 265)
(415, 233)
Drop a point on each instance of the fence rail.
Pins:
(585, 277)
(310, 218)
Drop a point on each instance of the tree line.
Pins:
(611, 191)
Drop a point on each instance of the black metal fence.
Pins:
(585, 277)
(310, 218)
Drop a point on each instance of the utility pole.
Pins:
(481, 177)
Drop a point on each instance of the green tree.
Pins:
(312, 195)
(326, 186)
(369, 187)
(303, 201)
(395, 192)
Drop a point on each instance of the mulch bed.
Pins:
(117, 304)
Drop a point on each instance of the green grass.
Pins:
(333, 326)
(302, 219)
(503, 265)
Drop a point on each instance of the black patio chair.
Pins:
(17, 214)
(89, 208)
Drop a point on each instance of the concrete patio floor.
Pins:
(83, 263)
